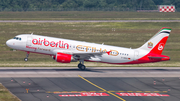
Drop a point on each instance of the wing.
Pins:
(89, 55)
(83, 55)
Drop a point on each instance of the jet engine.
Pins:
(63, 58)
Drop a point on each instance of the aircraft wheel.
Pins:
(82, 67)
(79, 65)
(25, 59)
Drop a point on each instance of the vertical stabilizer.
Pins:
(157, 43)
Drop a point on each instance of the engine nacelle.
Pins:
(64, 58)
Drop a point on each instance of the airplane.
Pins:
(66, 51)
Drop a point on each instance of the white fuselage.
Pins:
(51, 45)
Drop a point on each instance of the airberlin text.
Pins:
(45, 42)
(63, 45)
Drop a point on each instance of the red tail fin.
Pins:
(160, 46)
(156, 44)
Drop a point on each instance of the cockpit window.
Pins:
(17, 38)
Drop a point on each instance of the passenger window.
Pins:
(19, 38)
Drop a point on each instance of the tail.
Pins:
(155, 46)
(152, 49)
(157, 43)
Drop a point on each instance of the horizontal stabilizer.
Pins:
(163, 58)
(156, 57)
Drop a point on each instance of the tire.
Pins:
(79, 65)
(25, 59)
(82, 67)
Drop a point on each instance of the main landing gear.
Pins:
(26, 59)
(81, 65)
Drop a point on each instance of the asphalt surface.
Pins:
(90, 72)
(42, 21)
(66, 87)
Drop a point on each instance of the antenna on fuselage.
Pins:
(102, 43)
(31, 33)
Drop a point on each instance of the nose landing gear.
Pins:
(27, 55)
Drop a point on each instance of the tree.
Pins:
(55, 4)
(177, 4)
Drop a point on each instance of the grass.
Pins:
(126, 34)
(88, 15)
(5, 95)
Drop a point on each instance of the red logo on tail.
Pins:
(161, 46)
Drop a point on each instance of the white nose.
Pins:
(9, 43)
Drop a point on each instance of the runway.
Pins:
(90, 72)
(52, 21)
(94, 84)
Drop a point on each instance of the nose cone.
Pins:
(9, 43)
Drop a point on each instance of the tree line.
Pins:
(43, 5)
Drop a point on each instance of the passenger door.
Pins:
(29, 39)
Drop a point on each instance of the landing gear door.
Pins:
(136, 55)
(29, 40)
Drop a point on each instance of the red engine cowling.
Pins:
(63, 58)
